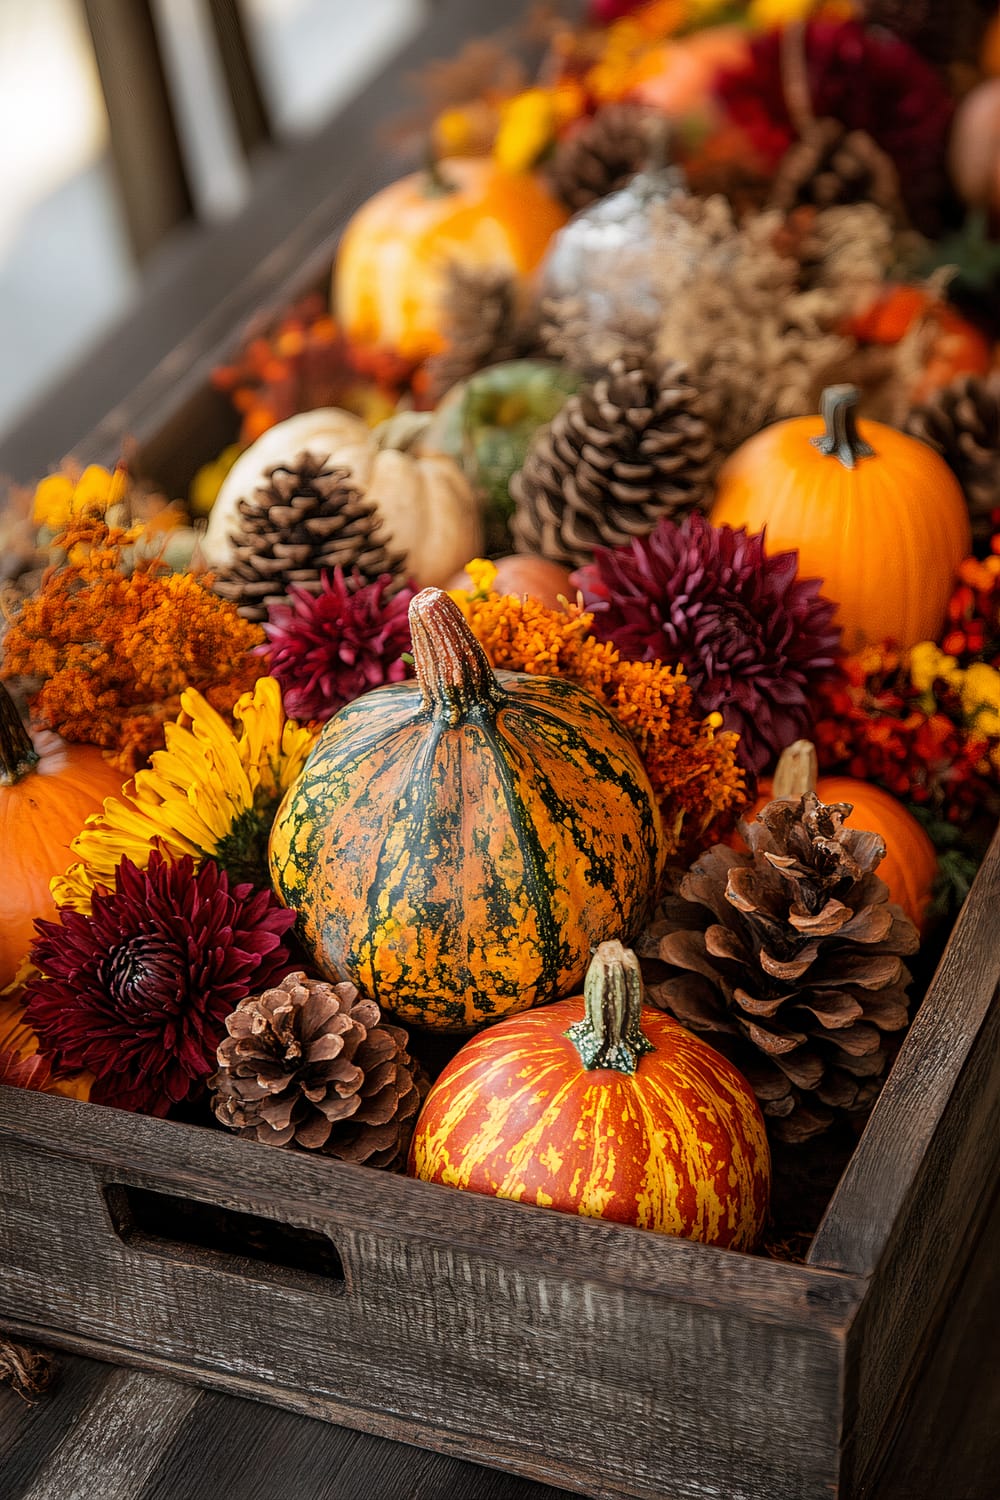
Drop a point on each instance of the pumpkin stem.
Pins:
(18, 755)
(453, 670)
(796, 772)
(838, 408)
(610, 1034)
(437, 184)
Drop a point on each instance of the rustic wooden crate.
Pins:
(596, 1357)
(605, 1359)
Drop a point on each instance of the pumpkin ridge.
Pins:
(553, 949)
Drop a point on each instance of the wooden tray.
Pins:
(595, 1357)
(604, 1359)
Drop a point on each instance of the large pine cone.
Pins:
(307, 520)
(789, 960)
(621, 454)
(832, 167)
(962, 423)
(602, 154)
(310, 1064)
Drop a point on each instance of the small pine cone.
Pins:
(962, 423)
(624, 452)
(602, 155)
(310, 1064)
(832, 166)
(481, 324)
(789, 960)
(307, 520)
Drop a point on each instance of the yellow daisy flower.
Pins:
(211, 793)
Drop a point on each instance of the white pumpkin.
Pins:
(428, 509)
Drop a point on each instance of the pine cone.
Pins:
(307, 520)
(481, 325)
(962, 423)
(792, 963)
(625, 451)
(602, 155)
(310, 1064)
(833, 166)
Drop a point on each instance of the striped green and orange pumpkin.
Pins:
(457, 845)
(605, 1107)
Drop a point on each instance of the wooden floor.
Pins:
(115, 1434)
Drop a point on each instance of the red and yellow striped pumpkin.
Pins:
(605, 1107)
(458, 845)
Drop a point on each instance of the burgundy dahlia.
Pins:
(866, 78)
(755, 640)
(327, 649)
(138, 991)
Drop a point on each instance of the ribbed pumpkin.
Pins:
(877, 515)
(910, 865)
(605, 1107)
(48, 790)
(457, 845)
(391, 266)
(428, 509)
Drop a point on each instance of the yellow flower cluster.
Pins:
(977, 687)
(212, 794)
(691, 764)
(66, 497)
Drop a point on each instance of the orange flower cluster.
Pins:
(116, 638)
(692, 767)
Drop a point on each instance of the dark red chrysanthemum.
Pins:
(866, 78)
(138, 991)
(329, 648)
(755, 640)
(31, 1072)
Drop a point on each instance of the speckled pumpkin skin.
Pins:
(459, 872)
(679, 1147)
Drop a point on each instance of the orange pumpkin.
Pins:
(393, 259)
(679, 77)
(876, 515)
(605, 1107)
(910, 865)
(957, 347)
(48, 790)
(457, 845)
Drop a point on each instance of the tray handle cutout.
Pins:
(228, 1240)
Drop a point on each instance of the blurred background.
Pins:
(126, 120)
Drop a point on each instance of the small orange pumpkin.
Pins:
(874, 514)
(910, 865)
(605, 1107)
(391, 266)
(956, 346)
(48, 790)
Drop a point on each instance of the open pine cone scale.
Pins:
(790, 959)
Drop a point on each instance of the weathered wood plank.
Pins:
(117, 1440)
(28, 1434)
(555, 1347)
(948, 1034)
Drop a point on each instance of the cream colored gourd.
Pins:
(427, 505)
